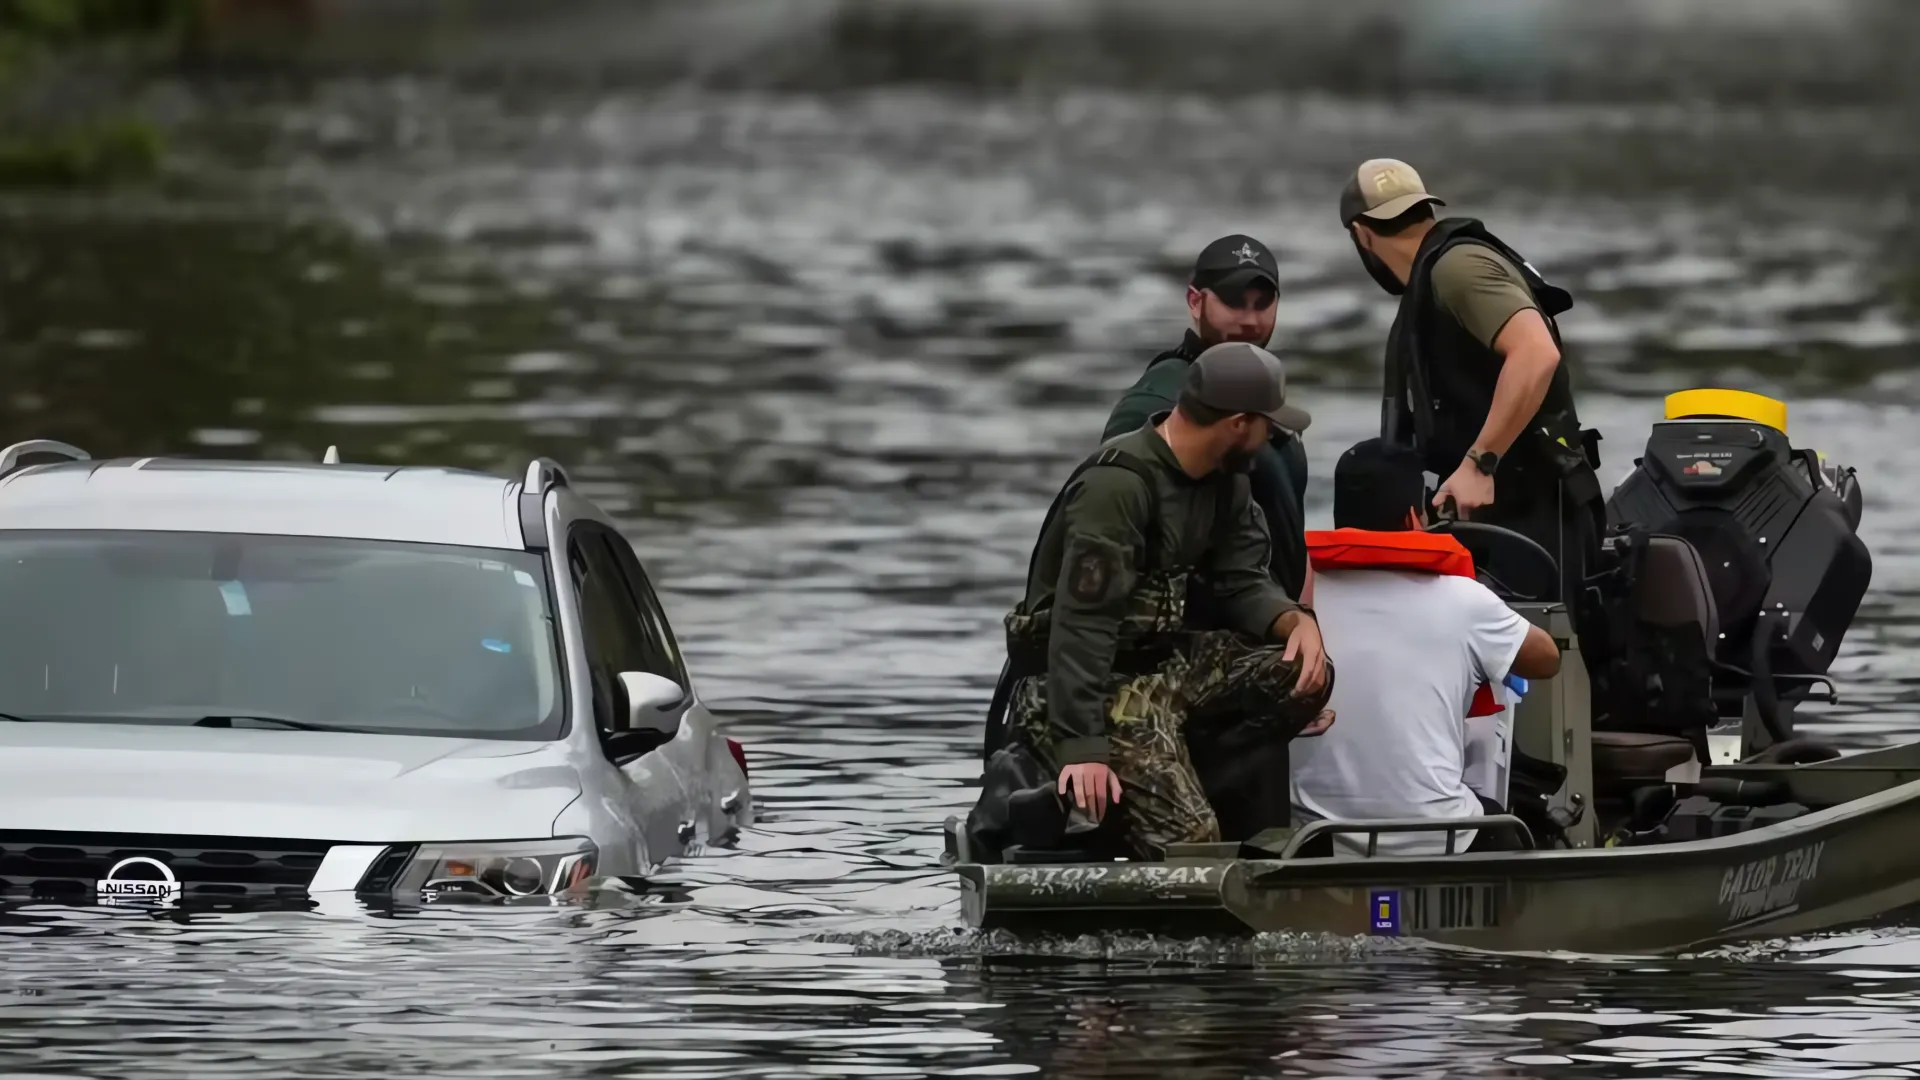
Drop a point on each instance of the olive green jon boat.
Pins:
(1650, 849)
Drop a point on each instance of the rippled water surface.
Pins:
(827, 356)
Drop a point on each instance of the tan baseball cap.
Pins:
(1383, 189)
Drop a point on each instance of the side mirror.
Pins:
(653, 702)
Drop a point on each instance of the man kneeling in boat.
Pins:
(1150, 617)
(1419, 639)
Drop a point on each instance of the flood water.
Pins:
(827, 353)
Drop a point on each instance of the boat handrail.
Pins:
(10, 457)
(1373, 827)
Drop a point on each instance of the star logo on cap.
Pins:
(1246, 254)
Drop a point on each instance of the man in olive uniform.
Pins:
(1150, 616)
(1475, 381)
(1232, 295)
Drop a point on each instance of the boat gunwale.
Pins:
(1549, 862)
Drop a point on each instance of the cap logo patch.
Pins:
(1246, 254)
(1388, 180)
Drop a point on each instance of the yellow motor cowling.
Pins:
(1738, 404)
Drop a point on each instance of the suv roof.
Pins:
(413, 504)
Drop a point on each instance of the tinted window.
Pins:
(662, 652)
(615, 640)
(408, 638)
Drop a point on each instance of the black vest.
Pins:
(1440, 379)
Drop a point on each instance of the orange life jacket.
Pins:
(1414, 552)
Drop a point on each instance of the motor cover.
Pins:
(1775, 527)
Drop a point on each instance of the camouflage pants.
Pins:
(1220, 680)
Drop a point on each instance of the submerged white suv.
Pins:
(264, 682)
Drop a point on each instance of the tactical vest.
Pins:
(1160, 613)
(1440, 379)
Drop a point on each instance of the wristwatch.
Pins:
(1484, 460)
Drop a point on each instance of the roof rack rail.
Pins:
(331, 457)
(10, 457)
(543, 475)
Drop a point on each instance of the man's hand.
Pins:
(1471, 489)
(1092, 782)
(1304, 645)
(1319, 725)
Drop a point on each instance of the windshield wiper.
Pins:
(218, 721)
(288, 722)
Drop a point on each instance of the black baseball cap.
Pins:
(1375, 483)
(1239, 377)
(1232, 263)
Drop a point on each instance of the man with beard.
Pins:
(1474, 381)
(1150, 619)
(1232, 295)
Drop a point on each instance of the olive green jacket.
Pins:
(1279, 477)
(1087, 565)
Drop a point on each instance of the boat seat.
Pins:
(1628, 758)
(1672, 596)
(1673, 589)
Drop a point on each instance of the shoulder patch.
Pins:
(1092, 575)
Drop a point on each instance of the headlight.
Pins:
(489, 870)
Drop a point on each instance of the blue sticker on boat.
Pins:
(496, 645)
(1383, 909)
(235, 594)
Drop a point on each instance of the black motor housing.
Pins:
(1775, 528)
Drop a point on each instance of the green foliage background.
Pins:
(95, 149)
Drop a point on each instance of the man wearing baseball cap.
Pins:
(1474, 380)
(1150, 620)
(1231, 296)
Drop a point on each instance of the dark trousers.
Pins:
(1493, 839)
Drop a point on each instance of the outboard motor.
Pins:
(1774, 529)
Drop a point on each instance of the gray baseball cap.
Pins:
(1238, 377)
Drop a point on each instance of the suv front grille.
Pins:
(65, 866)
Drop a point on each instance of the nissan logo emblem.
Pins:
(115, 889)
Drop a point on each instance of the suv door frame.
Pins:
(705, 764)
(650, 795)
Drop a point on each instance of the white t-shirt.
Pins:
(1408, 651)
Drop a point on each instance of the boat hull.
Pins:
(1844, 865)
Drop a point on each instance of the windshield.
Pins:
(415, 639)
